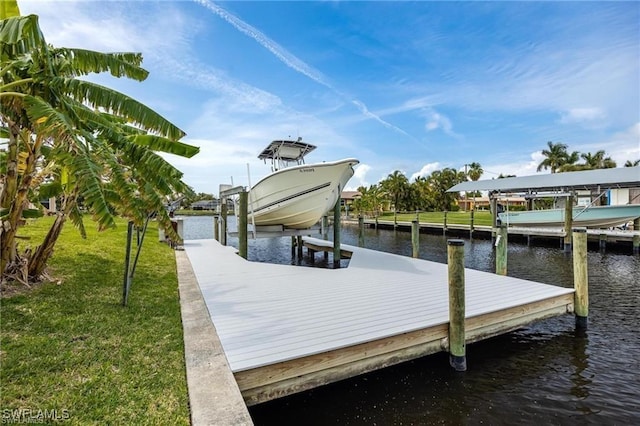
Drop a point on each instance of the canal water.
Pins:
(545, 373)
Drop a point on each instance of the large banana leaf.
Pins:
(20, 34)
(82, 62)
(158, 143)
(9, 9)
(111, 100)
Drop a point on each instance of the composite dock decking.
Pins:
(288, 328)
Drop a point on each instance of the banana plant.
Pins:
(99, 145)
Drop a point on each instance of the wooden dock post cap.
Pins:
(455, 242)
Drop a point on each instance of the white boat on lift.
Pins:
(296, 195)
(590, 216)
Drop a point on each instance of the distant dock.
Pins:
(285, 329)
(602, 237)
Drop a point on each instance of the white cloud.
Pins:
(435, 121)
(425, 171)
(583, 115)
(359, 177)
(620, 146)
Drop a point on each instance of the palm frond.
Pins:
(113, 101)
(89, 179)
(20, 35)
(9, 8)
(48, 120)
(76, 218)
(82, 62)
(158, 143)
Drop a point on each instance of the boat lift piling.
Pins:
(444, 224)
(223, 222)
(336, 233)
(602, 241)
(568, 223)
(501, 250)
(360, 231)
(580, 278)
(224, 195)
(471, 223)
(242, 224)
(216, 228)
(455, 268)
(493, 202)
(415, 238)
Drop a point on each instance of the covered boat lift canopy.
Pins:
(621, 177)
(555, 185)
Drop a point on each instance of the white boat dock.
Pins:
(285, 328)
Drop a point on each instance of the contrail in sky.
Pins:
(292, 61)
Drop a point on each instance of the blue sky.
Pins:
(403, 86)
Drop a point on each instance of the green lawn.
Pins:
(480, 217)
(71, 347)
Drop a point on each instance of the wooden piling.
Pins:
(293, 246)
(580, 277)
(636, 244)
(471, 224)
(325, 227)
(223, 218)
(216, 228)
(501, 250)
(336, 234)
(299, 246)
(602, 241)
(444, 224)
(455, 262)
(360, 231)
(494, 217)
(568, 223)
(415, 238)
(242, 224)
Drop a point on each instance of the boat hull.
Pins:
(297, 197)
(593, 217)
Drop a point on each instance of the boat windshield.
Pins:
(285, 153)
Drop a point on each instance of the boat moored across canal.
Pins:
(590, 216)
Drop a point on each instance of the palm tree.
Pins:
(396, 187)
(557, 157)
(439, 183)
(475, 171)
(630, 163)
(371, 198)
(88, 140)
(597, 160)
